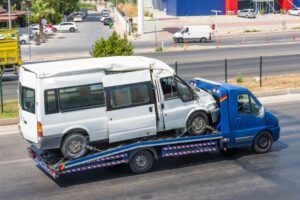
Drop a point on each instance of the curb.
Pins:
(10, 121)
(13, 121)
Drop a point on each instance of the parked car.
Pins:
(35, 30)
(66, 26)
(294, 11)
(81, 13)
(24, 39)
(104, 16)
(107, 21)
(78, 18)
(248, 13)
(68, 104)
(200, 33)
(50, 26)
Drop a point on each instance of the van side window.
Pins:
(51, 104)
(129, 96)
(169, 88)
(80, 97)
(247, 105)
(28, 99)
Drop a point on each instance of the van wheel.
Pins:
(203, 40)
(180, 40)
(141, 162)
(74, 146)
(197, 123)
(262, 142)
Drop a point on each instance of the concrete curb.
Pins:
(10, 121)
(13, 121)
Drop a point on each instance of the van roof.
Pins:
(90, 65)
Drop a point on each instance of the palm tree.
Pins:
(40, 10)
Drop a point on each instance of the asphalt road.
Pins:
(210, 63)
(238, 175)
(233, 40)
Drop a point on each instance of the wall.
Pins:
(194, 7)
(231, 5)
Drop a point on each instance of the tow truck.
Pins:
(243, 121)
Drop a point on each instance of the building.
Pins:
(205, 7)
(17, 17)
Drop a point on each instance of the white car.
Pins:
(294, 11)
(104, 16)
(66, 26)
(78, 18)
(24, 39)
(35, 30)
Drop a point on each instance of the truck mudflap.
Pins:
(120, 155)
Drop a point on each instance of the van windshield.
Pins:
(28, 99)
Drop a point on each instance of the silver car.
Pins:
(248, 13)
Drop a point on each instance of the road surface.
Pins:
(239, 175)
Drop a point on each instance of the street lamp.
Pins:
(9, 14)
(28, 3)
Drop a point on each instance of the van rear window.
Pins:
(28, 99)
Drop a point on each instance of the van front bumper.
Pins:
(215, 114)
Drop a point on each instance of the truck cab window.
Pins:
(169, 88)
(28, 99)
(247, 105)
(185, 92)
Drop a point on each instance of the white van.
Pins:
(68, 104)
(200, 33)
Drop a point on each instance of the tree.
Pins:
(115, 45)
(68, 6)
(42, 9)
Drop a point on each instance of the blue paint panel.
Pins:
(297, 3)
(194, 7)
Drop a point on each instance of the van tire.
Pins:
(141, 162)
(73, 146)
(262, 142)
(180, 40)
(197, 123)
(203, 40)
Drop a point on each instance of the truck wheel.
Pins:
(262, 142)
(141, 162)
(197, 123)
(73, 146)
(72, 30)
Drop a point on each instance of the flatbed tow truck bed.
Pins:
(161, 148)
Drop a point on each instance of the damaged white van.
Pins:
(67, 105)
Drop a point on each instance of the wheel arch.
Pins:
(150, 149)
(82, 130)
(261, 131)
(200, 111)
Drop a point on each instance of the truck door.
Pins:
(178, 102)
(130, 105)
(247, 122)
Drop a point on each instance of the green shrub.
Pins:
(239, 78)
(159, 49)
(87, 6)
(115, 45)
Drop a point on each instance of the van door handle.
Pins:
(150, 109)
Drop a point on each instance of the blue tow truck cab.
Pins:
(243, 121)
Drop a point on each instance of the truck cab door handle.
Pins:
(150, 109)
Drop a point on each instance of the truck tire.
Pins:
(197, 123)
(73, 146)
(262, 142)
(141, 162)
(72, 30)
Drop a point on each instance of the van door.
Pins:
(27, 100)
(130, 105)
(178, 102)
(247, 121)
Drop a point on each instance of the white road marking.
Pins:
(9, 133)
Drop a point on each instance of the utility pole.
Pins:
(28, 32)
(140, 17)
(9, 14)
